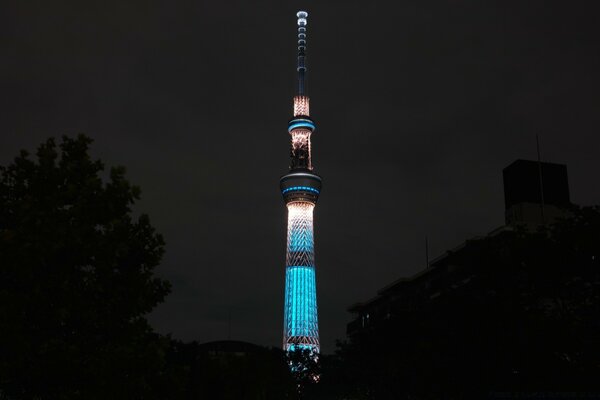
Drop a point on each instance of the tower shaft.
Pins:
(300, 189)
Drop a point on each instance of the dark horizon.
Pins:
(419, 108)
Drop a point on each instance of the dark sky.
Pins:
(419, 105)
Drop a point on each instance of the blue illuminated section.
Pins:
(301, 124)
(294, 347)
(300, 189)
(301, 303)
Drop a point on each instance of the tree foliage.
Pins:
(76, 280)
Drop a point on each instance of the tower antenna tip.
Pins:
(302, 15)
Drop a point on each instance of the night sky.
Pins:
(419, 105)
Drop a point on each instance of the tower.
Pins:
(300, 189)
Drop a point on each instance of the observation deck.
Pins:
(300, 185)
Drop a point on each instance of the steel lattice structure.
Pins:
(301, 189)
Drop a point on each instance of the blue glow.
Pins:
(300, 346)
(301, 301)
(300, 188)
(301, 124)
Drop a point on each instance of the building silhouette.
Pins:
(535, 194)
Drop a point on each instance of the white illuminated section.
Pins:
(300, 234)
(301, 106)
(300, 136)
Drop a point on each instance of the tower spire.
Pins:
(301, 126)
(301, 66)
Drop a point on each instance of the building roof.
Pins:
(434, 266)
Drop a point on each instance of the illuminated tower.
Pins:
(300, 189)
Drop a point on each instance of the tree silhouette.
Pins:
(76, 280)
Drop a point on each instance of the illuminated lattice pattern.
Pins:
(300, 240)
(301, 137)
(301, 147)
(301, 328)
(301, 106)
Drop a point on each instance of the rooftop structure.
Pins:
(535, 193)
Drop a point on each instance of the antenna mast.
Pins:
(301, 67)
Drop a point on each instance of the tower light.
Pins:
(300, 188)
